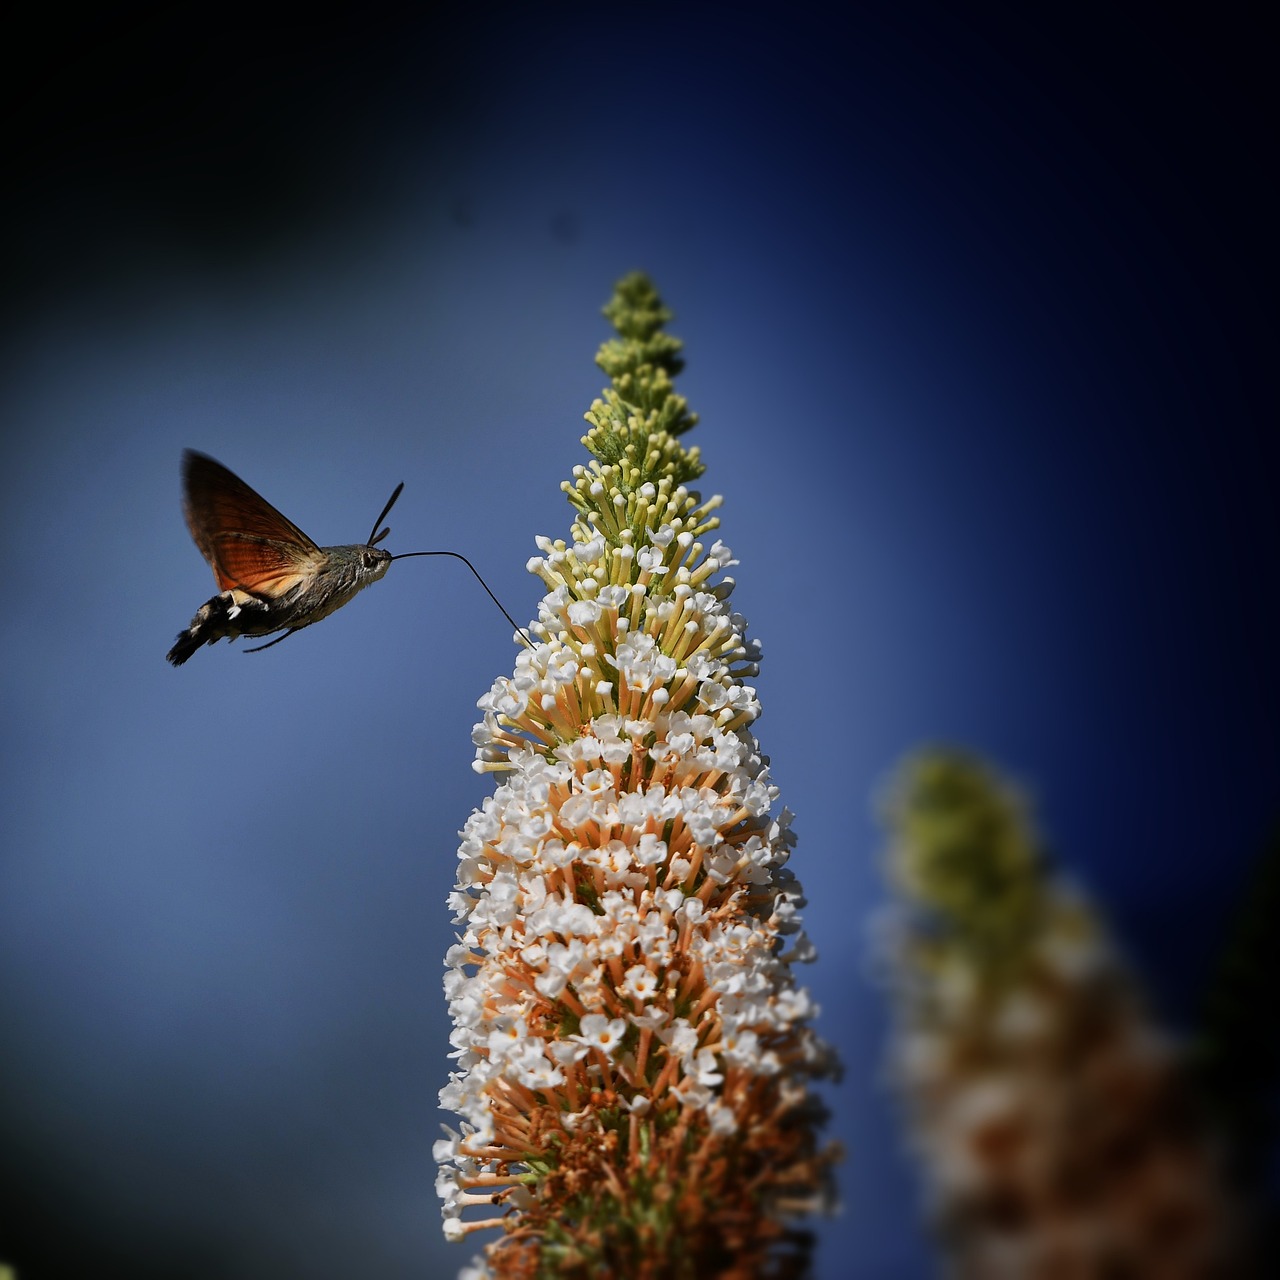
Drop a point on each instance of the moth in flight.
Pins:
(271, 576)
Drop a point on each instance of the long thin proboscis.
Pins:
(405, 555)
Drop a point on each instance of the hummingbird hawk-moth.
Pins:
(271, 576)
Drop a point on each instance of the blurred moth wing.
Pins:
(250, 546)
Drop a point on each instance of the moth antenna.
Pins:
(405, 555)
(391, 502)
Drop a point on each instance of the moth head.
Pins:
(374, 562)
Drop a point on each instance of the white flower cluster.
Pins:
(622, 893)
(625, 630)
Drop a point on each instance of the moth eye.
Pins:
(371, 558)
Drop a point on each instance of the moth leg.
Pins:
(277, 640)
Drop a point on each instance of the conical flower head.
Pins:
(634, 1055)
(1058, 1130)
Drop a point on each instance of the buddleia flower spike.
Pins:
(635, 1061)
(1057, 1127)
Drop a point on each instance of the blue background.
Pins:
(980, 324)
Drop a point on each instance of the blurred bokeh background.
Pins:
(980, 322)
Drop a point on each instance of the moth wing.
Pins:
(247, 542)
(268, 570)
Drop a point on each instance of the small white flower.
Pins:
(598, 1032)
(640, 982)
(584, 613)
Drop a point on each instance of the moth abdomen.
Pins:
(221, 618)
